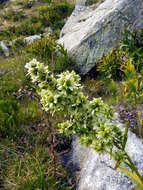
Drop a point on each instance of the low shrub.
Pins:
(14, 15)
(131, 47)
(109, 66)
(132, 86)
(132, 44)
(54, 54)
(27, 28)
(44, 49)
(53, 15)
(17, 45)
(15, 108)
(6, 34)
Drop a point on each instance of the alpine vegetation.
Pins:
(91, 120)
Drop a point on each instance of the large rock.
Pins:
(97, 171)
(92, 31)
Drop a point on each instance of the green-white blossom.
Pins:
(91, 120)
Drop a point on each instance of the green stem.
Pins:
(134, 168)
(130, 164)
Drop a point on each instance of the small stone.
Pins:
(48, 30)
(4, 48)
(30, 39)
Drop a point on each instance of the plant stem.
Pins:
(52, 142)
(134, 168)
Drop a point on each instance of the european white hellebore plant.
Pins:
(92, 121)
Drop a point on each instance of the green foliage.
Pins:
(11, 82)
(113, 88)
(14, 77)
(27, 28)
(133, 85)
(54, 14)
(43, 49)
(123, 68)
(110, 66)
(66, 90)
(14, 82)
(8, 118)
(28, 173)
(31, 171)
(14, 15)
(132, 44)
(134, 178)
(17, 45)
(1, 50)
(94, 87)
(91, 120)
(131, 48)
(54, 54)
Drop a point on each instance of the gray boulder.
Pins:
(93, 31)
(97, 171)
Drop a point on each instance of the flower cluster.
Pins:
(92, 120)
